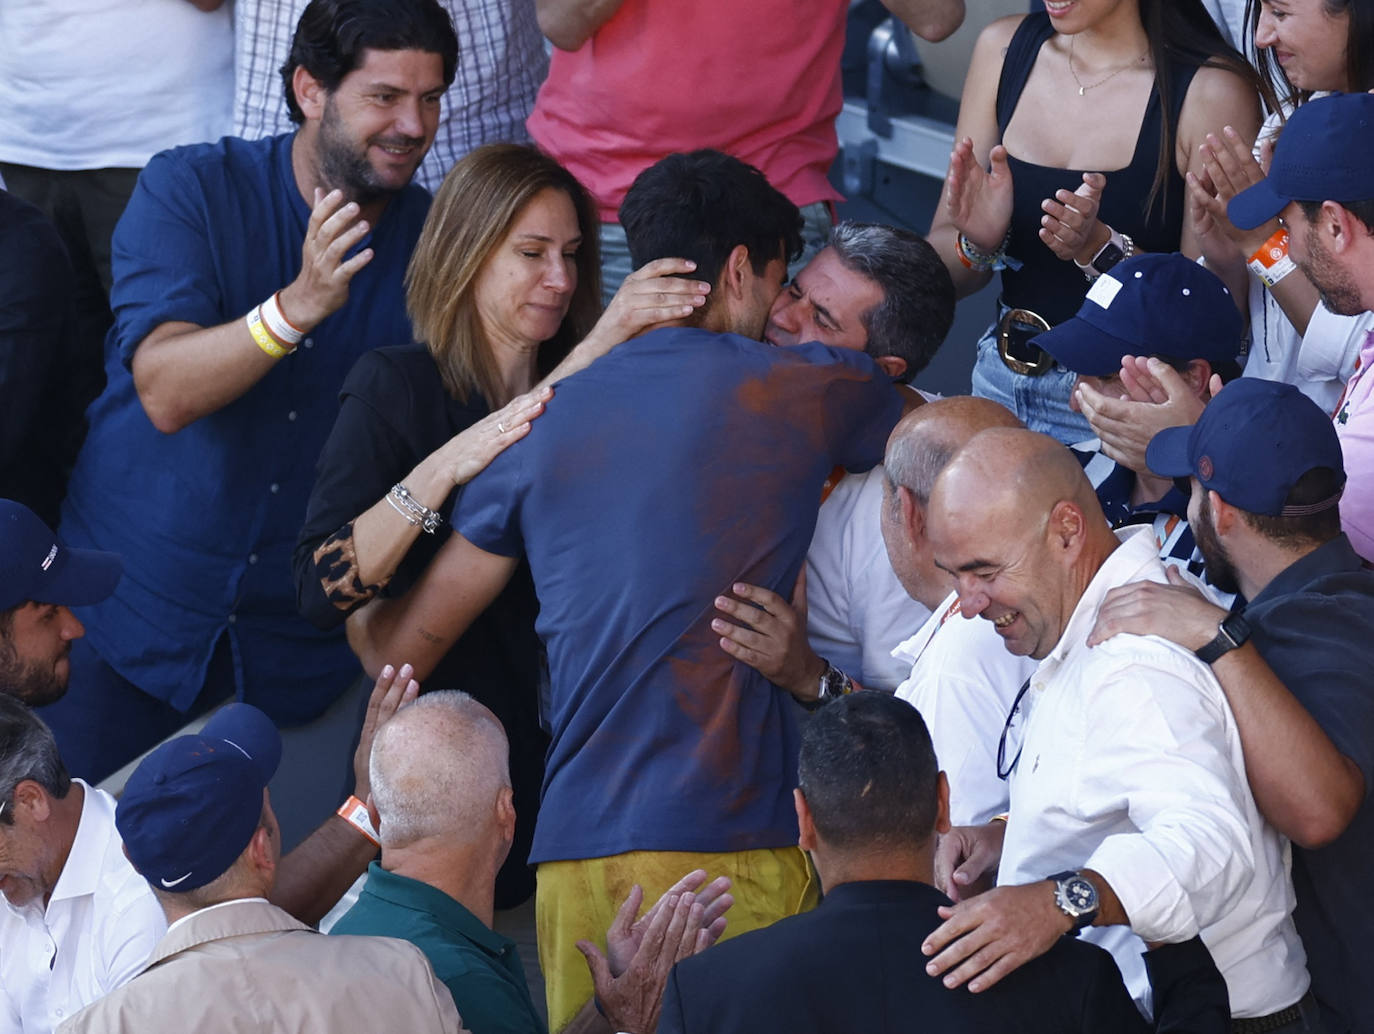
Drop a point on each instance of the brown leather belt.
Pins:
(1014, 331)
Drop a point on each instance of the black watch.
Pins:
(1076, 897)
(1233, 631)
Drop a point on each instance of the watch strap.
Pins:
(1232, 632)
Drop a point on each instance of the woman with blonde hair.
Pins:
(503, 293)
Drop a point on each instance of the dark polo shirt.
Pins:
(1314, 624)
(481, 969)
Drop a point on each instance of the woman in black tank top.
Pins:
(1075, 129)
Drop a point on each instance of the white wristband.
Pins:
(278, 324)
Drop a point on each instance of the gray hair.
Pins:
(914, 461)
(437, 769)
(917, 309)
(27, 751)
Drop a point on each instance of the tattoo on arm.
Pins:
(429, 636)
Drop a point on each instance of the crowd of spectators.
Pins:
(545, 404)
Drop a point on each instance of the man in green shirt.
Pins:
(441, 802)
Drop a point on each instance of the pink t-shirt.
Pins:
(1355, 428)
(758, 79)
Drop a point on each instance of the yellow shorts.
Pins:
(576, 900)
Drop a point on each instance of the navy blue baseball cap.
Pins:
(35, 564)
(1251, 445)
(192, 805)
(1324, 153)
(1159, 304)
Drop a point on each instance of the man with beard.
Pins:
(248, 277)
(39, 580)
(1266, 472)
(1321, 186)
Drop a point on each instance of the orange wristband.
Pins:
(354, 812)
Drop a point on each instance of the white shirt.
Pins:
(963, 681)
(857, 610)
(99, 928)
(93, 84)
(1132, 767)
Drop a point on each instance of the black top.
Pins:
(48, 374)
(393, 412)
(855, 964)
(1047, 284)
(1313, 624)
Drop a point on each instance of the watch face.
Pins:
(1109, 256)
(1079, 894)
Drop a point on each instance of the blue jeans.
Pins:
(1041, 403)
(615, 254)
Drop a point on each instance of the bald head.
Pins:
(1016, 472)
(438, 769)
(918, 448)
(1014, 519)
(927, 437)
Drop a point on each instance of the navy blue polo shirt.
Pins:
(680, 463)
(1313, 625)
(206, 518)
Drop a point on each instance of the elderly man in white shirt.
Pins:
(961, 679)
(1131, 818)
(76, 921)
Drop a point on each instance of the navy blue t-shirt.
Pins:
(681, 463)
(1313, 625)
(206, 518)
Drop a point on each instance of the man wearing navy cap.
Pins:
(1169, 307)
(1321, 187)
(1266, 472)
(198, 826)
(40, 578)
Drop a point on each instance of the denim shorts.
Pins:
(1041, 403)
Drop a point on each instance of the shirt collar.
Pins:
(85, 861)
(1334, 557)
(421, 897)
(1137, 550)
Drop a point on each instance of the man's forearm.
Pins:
(1307, 789)
(421, 626)
(570, 23)
(314, 876)
(183, 371)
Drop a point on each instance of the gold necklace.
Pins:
(1092, 86)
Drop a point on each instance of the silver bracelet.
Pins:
(414, 511)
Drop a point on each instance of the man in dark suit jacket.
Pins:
(870, 804)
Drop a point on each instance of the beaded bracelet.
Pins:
(980, 261)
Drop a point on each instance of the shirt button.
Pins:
(309, 342)
(233, 619)
(252, 558)
(274, 488)
(291, 415)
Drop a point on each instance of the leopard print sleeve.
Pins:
(337, 566)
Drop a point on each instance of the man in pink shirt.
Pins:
(1321, 185)
(634, 80)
